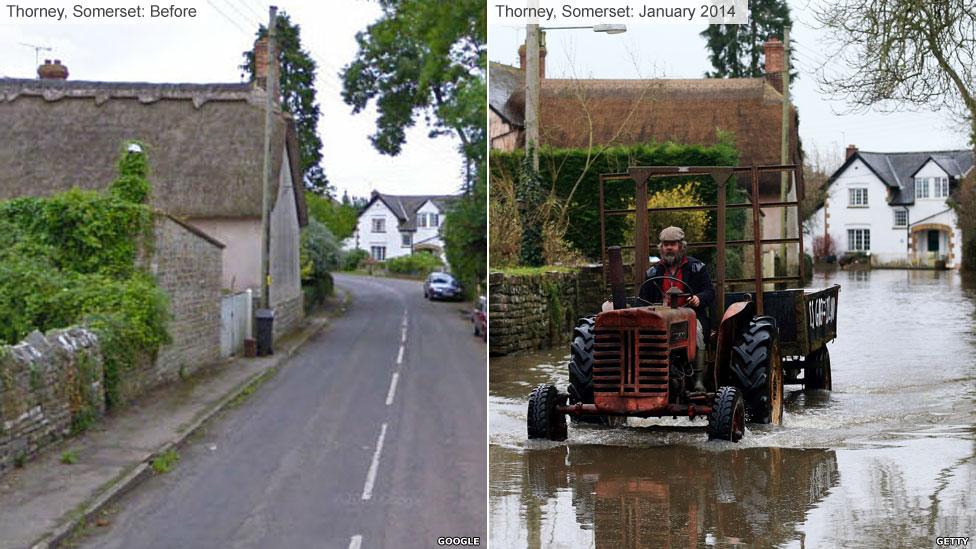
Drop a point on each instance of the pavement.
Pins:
(41, 503)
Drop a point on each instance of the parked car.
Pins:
(441, 286)
(479, 318)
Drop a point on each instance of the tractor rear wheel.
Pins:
(727, 420)
(581, 372)
(543, 420)
(816, 370)
(757, 369)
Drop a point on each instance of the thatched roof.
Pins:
(897, 170)
(684, 111)
(205, 142)
(405, 207)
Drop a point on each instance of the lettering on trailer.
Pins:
(821, 316)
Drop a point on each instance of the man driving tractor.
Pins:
(676, 264)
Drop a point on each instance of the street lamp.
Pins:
(533, 39)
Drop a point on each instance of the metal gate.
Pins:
(235, 322)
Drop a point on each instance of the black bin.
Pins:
(265, 333)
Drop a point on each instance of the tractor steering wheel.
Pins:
(655, 280)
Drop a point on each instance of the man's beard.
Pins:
(672, 259)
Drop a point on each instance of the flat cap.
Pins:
(671, 234)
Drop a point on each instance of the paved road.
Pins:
(332, 452)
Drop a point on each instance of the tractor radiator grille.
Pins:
(630, 361)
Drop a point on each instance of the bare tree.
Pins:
(903, 53)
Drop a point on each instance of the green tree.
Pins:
(466, 237)
(427, 59)
(736, 51)
(297, 86)
(339, 217)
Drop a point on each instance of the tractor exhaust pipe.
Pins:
(616, 278)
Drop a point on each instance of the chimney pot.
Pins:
(851, 151)
(52, 71)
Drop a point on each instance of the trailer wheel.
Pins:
(757, 369)
(816, 371)
(581, 372)
(727, 420)
(543, 420)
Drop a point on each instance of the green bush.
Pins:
(414, 264)
(320, 253)
(354, 259)
(465, 234)
(340, 218)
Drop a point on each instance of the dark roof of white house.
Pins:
(897, 170)
(405, 206)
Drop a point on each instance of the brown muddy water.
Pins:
(888, 459)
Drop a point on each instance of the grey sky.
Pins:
(209, 50)
(676, 51)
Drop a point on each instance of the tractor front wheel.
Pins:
(543, 420)
(727, 419)
(816, 370)
(757, 369)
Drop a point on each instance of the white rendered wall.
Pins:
(364, 238)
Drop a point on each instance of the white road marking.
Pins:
(403, 335)
(374, 466)
(400, 356)
(393, 382)
(356, 542)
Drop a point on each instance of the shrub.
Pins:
(320, 251)
(414, 264)
(823, 246)
(354, 259)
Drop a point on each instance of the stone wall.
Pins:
(50, 385)
(528, 312)
(288, 315)
(187, 264)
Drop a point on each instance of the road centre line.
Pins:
(374, 466)
(400, 356)
(356, 542)
(392, 391)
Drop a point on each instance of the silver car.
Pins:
(442, 286)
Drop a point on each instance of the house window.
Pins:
(378, 253)
(941, 187)
(901, 218)
(858, 198)
(407, 239)
(425, 220)
(921, 187)
(859, 240)
(379, 225)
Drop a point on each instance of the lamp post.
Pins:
(534, 38)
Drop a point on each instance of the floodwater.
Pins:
(888, 459)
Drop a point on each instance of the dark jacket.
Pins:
(695, 274)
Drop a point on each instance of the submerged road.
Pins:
(372, 435)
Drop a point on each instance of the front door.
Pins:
(933, 241)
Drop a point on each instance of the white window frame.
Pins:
(857, 197)
(941, 187)
(922, 183)
(378, 225)
(406, 239)
(897, 212)
(378, 252)
(858, 239)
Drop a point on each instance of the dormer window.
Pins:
(428, 220)
(941, 187)
(921, 187)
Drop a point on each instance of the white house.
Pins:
(893, 206)
(392, 226)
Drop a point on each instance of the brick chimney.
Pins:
(52, 71)
(774, 63)
(261, 62)
(851, 151)
(542, 60)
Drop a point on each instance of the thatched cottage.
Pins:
(205, 144)
(632, 111)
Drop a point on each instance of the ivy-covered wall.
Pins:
(536, 311)
(50, 387)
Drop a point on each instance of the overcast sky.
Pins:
(676, 51)
(209, 50)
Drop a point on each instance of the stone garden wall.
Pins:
(50, 386)
(528, 312)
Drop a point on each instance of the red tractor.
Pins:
(636, 359)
